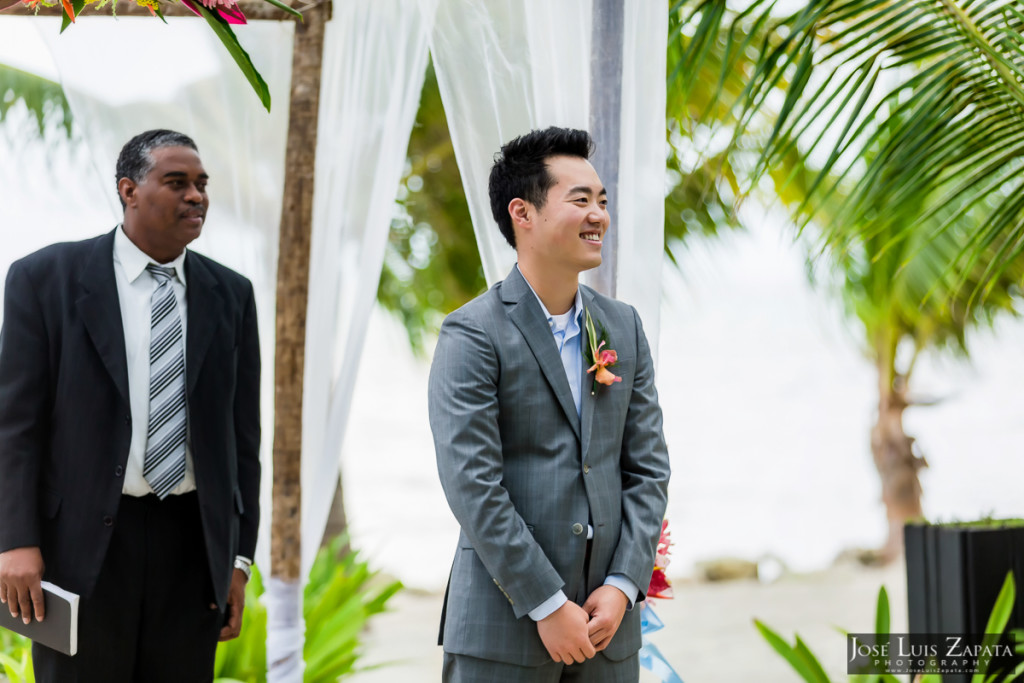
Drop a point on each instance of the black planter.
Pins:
(954, 574)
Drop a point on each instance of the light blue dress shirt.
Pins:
(567, 329)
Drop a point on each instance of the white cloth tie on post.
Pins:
(286, 630)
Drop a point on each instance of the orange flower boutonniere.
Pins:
(600, 357)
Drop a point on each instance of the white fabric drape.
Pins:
(509, 66)
(117, 88)
(642, 154)
(375, 57)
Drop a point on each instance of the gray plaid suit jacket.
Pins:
(524, 474)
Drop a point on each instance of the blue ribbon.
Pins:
(650, 656)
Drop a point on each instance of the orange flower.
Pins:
(69, 9)
(601, 363)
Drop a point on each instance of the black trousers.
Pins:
(149, 619)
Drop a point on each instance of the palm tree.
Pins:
(912, 111)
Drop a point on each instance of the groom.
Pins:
(554, 465)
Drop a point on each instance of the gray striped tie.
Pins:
(164, 467)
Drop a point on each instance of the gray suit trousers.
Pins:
(600, 669)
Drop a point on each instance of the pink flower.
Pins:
(228, 10)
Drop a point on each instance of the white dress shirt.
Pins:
(135, 287)
(568, 335)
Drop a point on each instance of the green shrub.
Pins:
(341, 596)
(16, 657)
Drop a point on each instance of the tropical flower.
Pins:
(228, 10)
(604, 359)
(601, 358)
(660, 586)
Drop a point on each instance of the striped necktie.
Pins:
(164, 466)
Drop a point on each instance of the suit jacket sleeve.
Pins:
(247, 427)
(23, 400)
(645, 472)
(463, 399)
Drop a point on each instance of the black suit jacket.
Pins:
(65, 417)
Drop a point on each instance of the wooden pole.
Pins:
(606, 124)
(293, 293)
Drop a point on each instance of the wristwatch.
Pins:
(245, 566)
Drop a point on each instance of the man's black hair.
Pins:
(520, 170)
(136, 158)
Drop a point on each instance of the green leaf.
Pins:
(223, 31)
(997, 620)
(812, 663)
(796, 655)
(882, 612)
(280, 5)
(13, 669)
(78, 6)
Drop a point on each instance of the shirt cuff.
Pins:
(548, 607)
(622, 582)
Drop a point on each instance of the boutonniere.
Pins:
(600, 357)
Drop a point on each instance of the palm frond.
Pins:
(913, 112)
(43, 98)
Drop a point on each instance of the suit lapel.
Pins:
(101, 311)
(526, 314)
(205, 308)
(588, 380)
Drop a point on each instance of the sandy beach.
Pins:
(709, 635)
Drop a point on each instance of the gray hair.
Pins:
(136, 158)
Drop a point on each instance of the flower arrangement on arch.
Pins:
(219, 14)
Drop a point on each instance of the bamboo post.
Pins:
(293, 292)
(606, 125)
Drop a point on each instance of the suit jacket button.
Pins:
(118, 471)
(108, 521)
(577, 529)
(586, 469)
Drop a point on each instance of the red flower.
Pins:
(660, 586)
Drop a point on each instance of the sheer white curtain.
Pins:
(504, 68)
(508, 66)
(117, 89)
(374, 64)
(642, 154)
(375, 57)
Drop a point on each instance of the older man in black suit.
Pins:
(129, 432)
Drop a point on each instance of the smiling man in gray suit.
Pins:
(552, 457)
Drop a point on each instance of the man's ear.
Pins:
(126, 188)
(519, 210)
